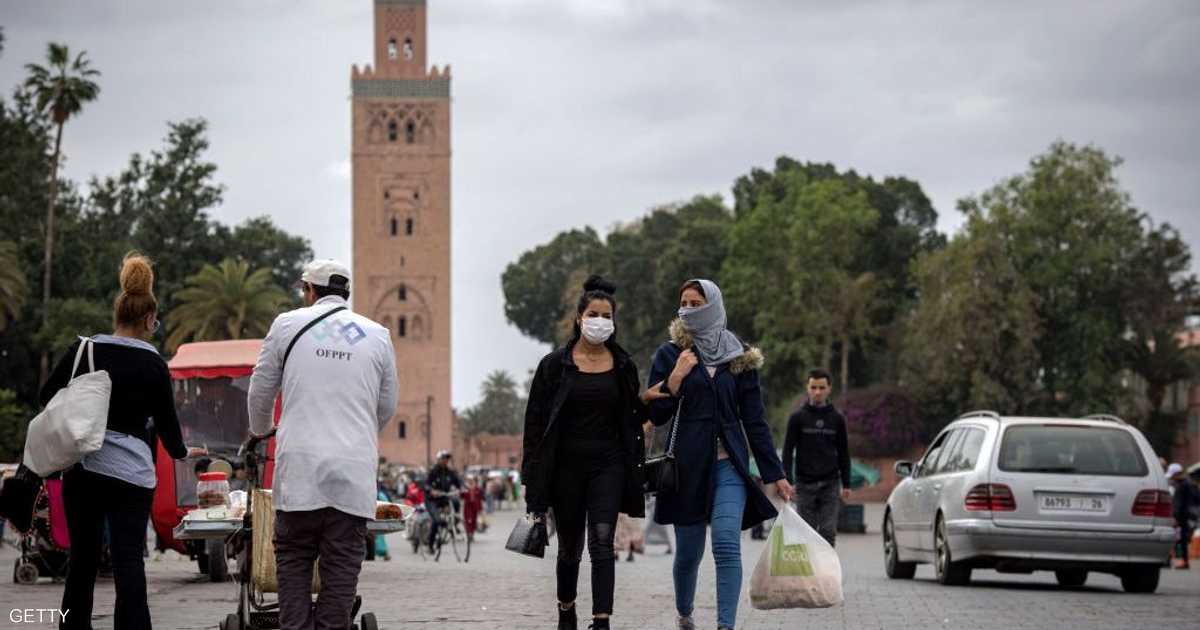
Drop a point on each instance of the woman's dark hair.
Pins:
(692, 284)
(595, 288)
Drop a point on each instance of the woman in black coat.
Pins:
(711, 378)
(584, 451)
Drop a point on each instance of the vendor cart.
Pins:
(210, 383)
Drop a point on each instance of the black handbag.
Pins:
(17, 496)
(528, 538)
(662, 471)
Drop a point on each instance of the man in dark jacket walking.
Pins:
(816, 457)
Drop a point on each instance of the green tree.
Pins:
(500, 411)
(14, 417)
(533, 284)
(61, 87)
(71, 318)
(1160, 293)
(970, 343)
(227, 301)
(259, 242)
(906, 227)
(1071, 234)
(789, 274)
(12, 284)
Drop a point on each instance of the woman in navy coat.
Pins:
(714, 376)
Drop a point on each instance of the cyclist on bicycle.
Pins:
(440, 483)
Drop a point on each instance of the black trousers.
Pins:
(586, 497)
(300, 538)
(91, 499)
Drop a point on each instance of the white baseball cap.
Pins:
(322, 273)
(1173, 469)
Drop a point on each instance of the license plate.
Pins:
(1073, 503)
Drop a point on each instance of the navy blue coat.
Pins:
(727, 402)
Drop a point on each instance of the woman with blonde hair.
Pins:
(116, 483)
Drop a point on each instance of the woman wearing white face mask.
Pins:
(584, 450)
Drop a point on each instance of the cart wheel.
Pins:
(367, 622)
(218, 564)
(231, 623)
(25, 573)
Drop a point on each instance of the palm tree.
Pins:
(61, 88)
(12, 284)
(225, 301)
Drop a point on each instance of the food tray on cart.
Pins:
(398, 513)
(201, 529)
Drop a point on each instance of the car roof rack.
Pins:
(1106, 417)
(980, 413)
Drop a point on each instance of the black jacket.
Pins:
(551, 383)
(141, 390)
(816, 441)
(442, 478)
(728, 404)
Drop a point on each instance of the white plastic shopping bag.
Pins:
(73, 423)
(797, 569)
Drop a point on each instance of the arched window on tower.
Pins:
(402, 429)
(392, 48)
(408, 49)
(393, 131)
(402, 294)
(395, 226)
(408, 227)
(410, 132)
(402, 326)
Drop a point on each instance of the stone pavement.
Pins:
(498, 589)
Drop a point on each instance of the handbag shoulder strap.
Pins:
(306, 328)
(674, 429)
(84, 342)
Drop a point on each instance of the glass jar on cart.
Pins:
(212, 490)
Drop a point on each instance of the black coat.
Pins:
(551, 383)
(729, 403)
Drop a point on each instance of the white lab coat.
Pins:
(339, 389)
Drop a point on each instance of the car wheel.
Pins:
(949, 572)
(892, 565)
(1140, 580)
(1071, 577)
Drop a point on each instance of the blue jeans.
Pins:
(729, 501)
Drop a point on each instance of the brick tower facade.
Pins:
(401, 169)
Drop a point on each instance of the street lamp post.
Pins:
(429, 431)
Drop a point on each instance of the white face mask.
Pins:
(597, 330)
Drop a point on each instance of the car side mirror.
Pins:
(903, 468)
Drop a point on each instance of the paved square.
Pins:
(498, 589)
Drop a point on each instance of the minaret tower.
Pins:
(401, 165)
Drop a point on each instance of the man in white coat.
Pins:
(337, 372)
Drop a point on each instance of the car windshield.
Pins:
(212, 413)
(1071, 449)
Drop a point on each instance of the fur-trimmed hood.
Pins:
(752, 359)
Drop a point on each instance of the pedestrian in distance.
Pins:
(1184, 498)
(816, 457)
(113, 487)
(336, 370)
(442, 487)
(711, 378)
(584, 450)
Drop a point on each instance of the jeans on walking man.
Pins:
(816, 458)
(337, 373)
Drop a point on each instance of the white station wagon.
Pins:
(1032, 494)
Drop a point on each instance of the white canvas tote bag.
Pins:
(73, 423)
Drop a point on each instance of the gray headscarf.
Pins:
(714, 344)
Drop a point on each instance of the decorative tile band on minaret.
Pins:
(401, 88)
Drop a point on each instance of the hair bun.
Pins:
(597, 283)
(137, 278)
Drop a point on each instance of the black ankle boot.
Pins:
(567, 619)
(599, 624)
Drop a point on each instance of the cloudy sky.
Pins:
(590, 112)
